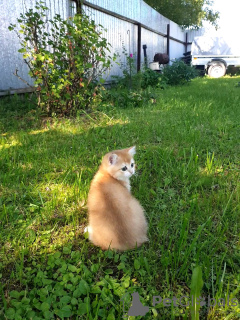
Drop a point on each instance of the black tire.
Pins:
(217, 70)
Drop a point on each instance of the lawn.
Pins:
(188, 164)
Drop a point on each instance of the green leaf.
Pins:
(25, 300)
(65, 300)
(16, 304)
(82, 309)
(77, 293)
(108, 271)
(75, 280)
(95, 289)
(196, 287)
(66, 250)
(126, 282)
(74, 301)
(155, 313)
(10, 314)
(120, 291)
(31, 314)
(88, 65)
(15, 294)
(46, 281)
(137, 264)
(121, 266)
(23, 50)
(111, 317)
(43, 292)
(95, 267)
(63, 268)
(47, 315)
(69, 286)
(83, 287)
(64, 312)
(57, 255)
(45, 306)
(72, 268)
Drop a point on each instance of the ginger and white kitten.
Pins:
(116, 218)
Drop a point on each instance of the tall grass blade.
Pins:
(196, 287)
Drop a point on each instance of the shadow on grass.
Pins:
(47, 172)
(44, 185)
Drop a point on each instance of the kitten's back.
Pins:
(116, 218)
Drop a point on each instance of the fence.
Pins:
(129, 24)
(133, 24)
(10, 58)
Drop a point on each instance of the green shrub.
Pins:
(150, 78)
(140, 80)
(65, 57)
(125, 98)
(178, 73)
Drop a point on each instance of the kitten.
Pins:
(116, 218)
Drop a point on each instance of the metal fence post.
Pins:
(139, 46)
(168, 39)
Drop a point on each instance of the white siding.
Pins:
(117, 29)
(10, 58)
(119, 33)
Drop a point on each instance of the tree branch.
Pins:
(16, 74)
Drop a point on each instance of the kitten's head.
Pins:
(120, 163)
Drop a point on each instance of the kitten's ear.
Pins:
(132, 151)
(113, 158)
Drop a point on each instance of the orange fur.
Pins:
(116, 218)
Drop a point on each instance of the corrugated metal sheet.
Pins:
(10, 58)
(155, 44)
(120, 34)
(130, 9)
(140, 11)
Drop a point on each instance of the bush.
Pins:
(178, 73)
(134, 89)
(131, 78)
(65, 57)
(125, 98)
(150, 78)
(140, 80)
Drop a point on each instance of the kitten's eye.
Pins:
(124, 168)
(132, 165)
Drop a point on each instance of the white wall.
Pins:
(10, 58)
(119, 33)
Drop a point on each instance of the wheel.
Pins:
(217, 70)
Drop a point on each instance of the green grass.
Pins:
(188, 164)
